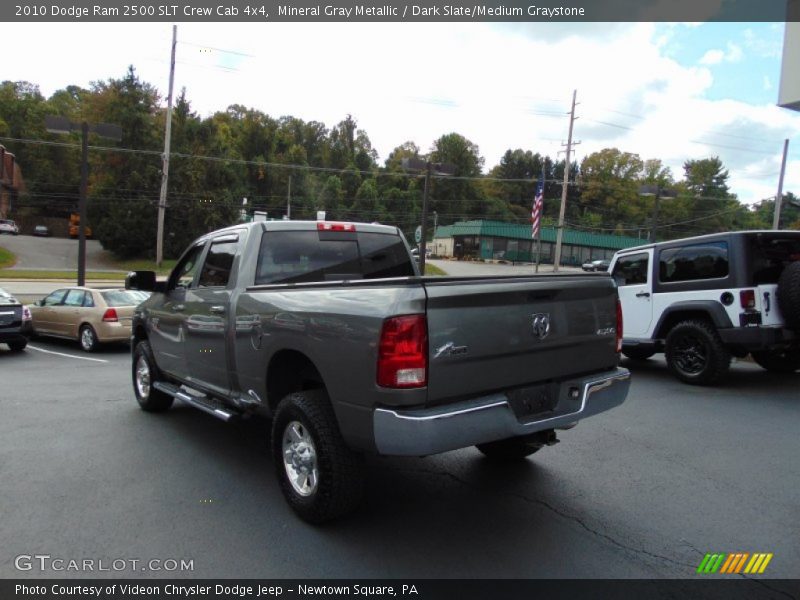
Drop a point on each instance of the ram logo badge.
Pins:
(540, 322)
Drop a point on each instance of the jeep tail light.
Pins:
(403, 352)
(330, 226)
(747, 298)
(110, 316)
(619, 326)
(26, 313)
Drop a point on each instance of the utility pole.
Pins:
(423, 243)
(162, 200)
(289, 199)
(82, 203)
(779, 198)
(56, 124)
(562, 210)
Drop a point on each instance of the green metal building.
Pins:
(495, 240)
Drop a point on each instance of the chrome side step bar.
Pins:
(198, 400)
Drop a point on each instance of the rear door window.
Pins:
(74, 298)
(631, 269)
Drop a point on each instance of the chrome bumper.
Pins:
(420, 432)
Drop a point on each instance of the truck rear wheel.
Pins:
(510, 449)
(320, 477)
(776, 361)
(145, 374)
(695, 353)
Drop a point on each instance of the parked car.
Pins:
(702, 300)
(90, 316)
(8, 226)
(15, 322)
(328, 329)
(42, 231)
(596, 265)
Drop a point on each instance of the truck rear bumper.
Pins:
(420, 432)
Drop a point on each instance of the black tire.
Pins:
(149, 398)
(789, 294)
(339, 484)
(18, 346)
(510, 449)
(638, 353)
(695, 353)
(87, 338)
(778, 361)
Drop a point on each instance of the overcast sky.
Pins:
(669, 91)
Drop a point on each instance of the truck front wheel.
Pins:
(695, 353)
(319, 475)
(145, 374)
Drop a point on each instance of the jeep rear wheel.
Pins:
(320, 477)
(778, 361)
(695, 353)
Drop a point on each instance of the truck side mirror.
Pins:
(141, 280)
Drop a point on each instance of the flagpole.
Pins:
(539, 230)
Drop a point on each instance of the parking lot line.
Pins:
(100, 360)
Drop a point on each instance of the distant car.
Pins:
(15, 322)
(42, 231)
(9, 227)
(90, 316)
(596, 265)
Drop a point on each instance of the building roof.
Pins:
(523, 232)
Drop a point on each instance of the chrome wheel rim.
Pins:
(142, 378)
(87, 338)
(300, 458)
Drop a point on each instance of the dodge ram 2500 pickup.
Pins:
(329, 330)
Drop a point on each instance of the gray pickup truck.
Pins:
(329, 330)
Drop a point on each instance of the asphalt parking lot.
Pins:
(642, 491)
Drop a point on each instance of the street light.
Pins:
(657, 192)
(55, 124)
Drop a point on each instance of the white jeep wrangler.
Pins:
(703, 300)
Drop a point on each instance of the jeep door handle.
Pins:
(217, 309)
(643, 295)
(178, 308)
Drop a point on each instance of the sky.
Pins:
(670, 91)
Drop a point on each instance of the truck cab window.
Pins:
(216, 270)
(184, 272)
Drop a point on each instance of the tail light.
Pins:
(110, 316)
(403, 352)
(747, 298)
(619, 326)
(26, 313)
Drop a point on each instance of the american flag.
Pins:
(536, 211)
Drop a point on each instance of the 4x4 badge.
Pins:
(540, 323)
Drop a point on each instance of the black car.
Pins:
(596, 265)
(15, 322)
(42, 231)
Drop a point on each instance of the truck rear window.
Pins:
(306, 256)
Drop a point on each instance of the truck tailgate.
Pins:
(492, 334)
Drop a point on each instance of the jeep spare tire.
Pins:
(789, 294)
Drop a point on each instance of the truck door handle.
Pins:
(217, 309)
(178, 307)
(643, 295)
